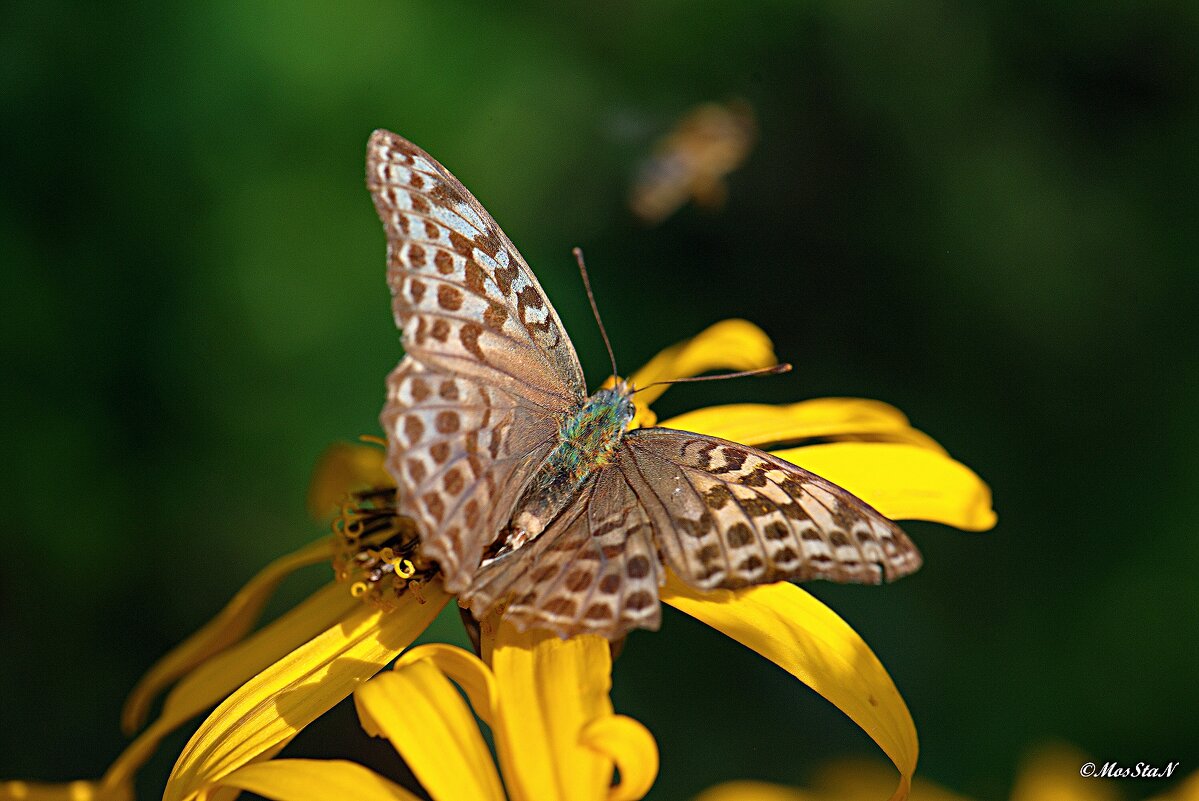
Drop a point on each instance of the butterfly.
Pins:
(531, 493)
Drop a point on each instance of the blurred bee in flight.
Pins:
(691, 162)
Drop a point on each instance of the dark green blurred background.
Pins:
(985, 216)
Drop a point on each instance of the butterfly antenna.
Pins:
(595, 309)
(776, 369)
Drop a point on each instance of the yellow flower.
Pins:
(544, 699)
(274, 682)
(1051, 774)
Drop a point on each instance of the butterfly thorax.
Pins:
(588, 441)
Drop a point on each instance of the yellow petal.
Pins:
(117, 784)
(727, 345)
(315, 780)
(808, 640)
(1053, 772)
(344, 468)
(464, 669)
(223, 792)
(904, 482)
(214, 680)
(68, 791)
(761, 424)
(632, 748)
(283, 699)
(419, 711)
(220, 675)
(550, 690)
(1187, 790)
(238, 617)
(757, 791)
(620, 740)
(867, 779)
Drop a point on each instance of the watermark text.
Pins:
(1114, 770)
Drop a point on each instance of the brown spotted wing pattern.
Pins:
(460, 451)
(730, 516)
(463, 297)
(489, 369)
(719, 514)
(595, 570)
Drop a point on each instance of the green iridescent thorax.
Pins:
(588, 440)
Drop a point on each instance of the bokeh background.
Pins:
(982, 214)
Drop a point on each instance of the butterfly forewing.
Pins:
(729, 516)
(463, 297)
(489, 369)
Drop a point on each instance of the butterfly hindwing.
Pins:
(460, 451)
(719, 514)
(595, 570)
(729, 516)
(463, 297)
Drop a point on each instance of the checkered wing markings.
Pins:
(731, 516)
(460, 452)
(463, 297)
(595, 570)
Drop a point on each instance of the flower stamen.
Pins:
(377, 550)
(414, 587)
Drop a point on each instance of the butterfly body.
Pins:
(532, 494)
(591, 436)
(588, 440)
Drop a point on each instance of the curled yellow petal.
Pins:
(761, 424)
(229, 626)
(464, 669)
(904, 482)
(280, 701)
(419, 711)
(315, 780)
(550, 690)
(632, 748)
(808, 640)
(343, 468)
(727, 345)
